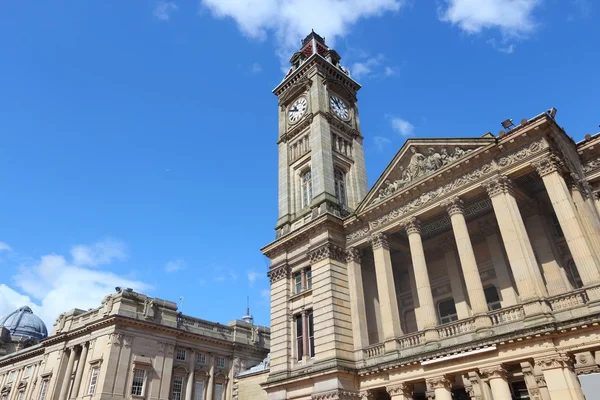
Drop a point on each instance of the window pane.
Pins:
(199, 391)
(308, 279)
(220, 362)
(298, 279)
(181, 354)
(93, 380)
(299, 344)
(44, 389)
(219, 391)
(447, 311)
(177, 385)
(137, 386)
(311, 334)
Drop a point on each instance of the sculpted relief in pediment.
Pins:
(417, 165)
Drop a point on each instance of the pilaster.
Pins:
(360, 333)
(281, 326)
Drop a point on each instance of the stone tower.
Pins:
(321, 158)
(322, 179)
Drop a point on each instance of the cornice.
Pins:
(326, 250)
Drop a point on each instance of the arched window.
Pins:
(340, 186)
(306, 182)
(447, 311)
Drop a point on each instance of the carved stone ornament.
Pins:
(497, 371)
(327, 250)
(548, 164)
(439, 382)
(498, 185)
(555, 361)
(278, 273)
(405, 389)
(367, 395)
(435, 194)
(115, 339)
(454, 205)
(413, 225)
(380, 240)
(353, 255)
(591, 165)
(541, 382)
(420, 166)
(337, 395)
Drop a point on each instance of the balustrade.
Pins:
(456, 328)
(411, 340)
(505, 315)
(568, 300)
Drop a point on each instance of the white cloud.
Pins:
(514, 18)
(291, 20)
(372, 67)
(54, 284)
(163, 9)
(5, 247)
(402, 126)
(504, 48)
(381, 142)
(175, 265)
(252, 277)
(98, 253)
(265, 293)
(256, 68)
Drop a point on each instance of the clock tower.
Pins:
(321, 158)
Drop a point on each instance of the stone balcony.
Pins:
(507, 324)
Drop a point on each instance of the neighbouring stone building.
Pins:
(470, 270)
(131, 347)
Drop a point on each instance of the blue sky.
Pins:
(138, 137)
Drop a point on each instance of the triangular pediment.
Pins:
(419, 159)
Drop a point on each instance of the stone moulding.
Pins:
(327, 250)
(279, 273)
(337, 395)
(426, 198)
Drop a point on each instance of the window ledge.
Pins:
(135, 396)
(301, 294)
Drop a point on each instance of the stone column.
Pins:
(303, 278)
(305, 341)
(549, 168)
(498, 382)
(428, 320)
(211, 378)
(441, 386)
(516, 241)
(360, 334)
(386, 289)
(560, 378)
(189, 384)
(597, 201)
(403, 391)
(588, 218)
(489, 229)
(64, 389)
(79, 373)
(555, 282)
(468, 262)
(462, 308)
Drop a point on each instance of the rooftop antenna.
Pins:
(182, 303)
(248, 317)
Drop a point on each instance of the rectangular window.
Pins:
(199, 390)
(93, 380)
(11, 376)
(298, 282)
(306, 189)
(308, 279)
(311, 333)
(44, 389)
(177, 385)
(220, 362)
(181, 354)
(219, 391)
(492, 298)
(27, 373)
(137, 385)
(201, 359)
(299, 337)
(447, 311)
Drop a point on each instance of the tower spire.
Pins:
(248, 317)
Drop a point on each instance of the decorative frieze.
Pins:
(380, 240)
(591, 165)
(548, 164)
(327, 250)
(278, 273)
(353, 255)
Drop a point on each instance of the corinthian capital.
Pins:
(548, 164)
(454, 206)
(380, 240)
(439, 382)
(353, 255)
(561, 360)
(496, 371)
(498, 185)
(405, 389)
(413, 225)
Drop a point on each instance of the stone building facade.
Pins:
(471, 269)
(133, 347)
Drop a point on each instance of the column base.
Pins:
(537, 312)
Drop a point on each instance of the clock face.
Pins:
(338, 106)
(297, 109)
